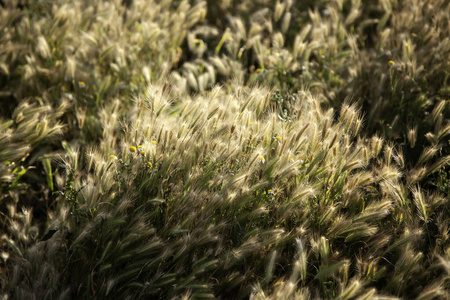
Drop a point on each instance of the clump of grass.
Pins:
(218, 196)
(27, 140)
(153, 181)
(338, 51)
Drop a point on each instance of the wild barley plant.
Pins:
(230, 193)
(217, 196)
(337, 51)
(27, 139)
(50, 82)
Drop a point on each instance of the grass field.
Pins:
(262, 149)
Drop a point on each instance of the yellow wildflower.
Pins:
(142, 153)
(154, 142)
(241, 50)
(369, 188)
(112, 157)
(263, 160)
(391, 62)
(278, 138)
(150, 165)
(132, 149)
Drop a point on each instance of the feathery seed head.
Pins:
(412, 136)
(438, 110)
(43, 48)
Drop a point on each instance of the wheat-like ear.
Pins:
(412, 136)
(376, 145)
(399, 158)
(426, 155)
(374, 212)
(351, 290)
(388, 154)
(390, 173)
(299, 271)
(443, 161)
(421, 206)
(438, 110)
